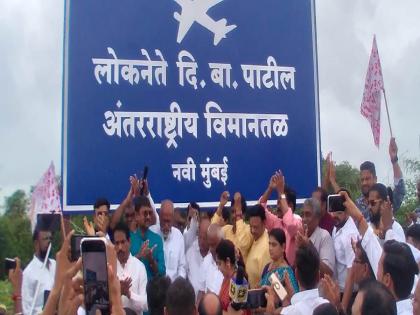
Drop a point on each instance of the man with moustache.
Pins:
(344, 232)
(145, 244)
(173, 241)
(380, 215)
(35, 273)
(196, 254)
(131, 272)
(368, 179)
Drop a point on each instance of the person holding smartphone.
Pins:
(15, 278)
(279, 264)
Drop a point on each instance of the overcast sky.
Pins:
(31, 34)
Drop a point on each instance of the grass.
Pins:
(6, 295)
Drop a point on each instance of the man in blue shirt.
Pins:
(145, 244)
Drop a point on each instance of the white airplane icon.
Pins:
(196, 11)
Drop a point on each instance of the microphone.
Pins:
(238, 291)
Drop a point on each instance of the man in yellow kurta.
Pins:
(258, 255)
(239, 233)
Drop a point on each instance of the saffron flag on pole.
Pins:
(45, 197)
(374, 84)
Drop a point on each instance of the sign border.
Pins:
(84, 208)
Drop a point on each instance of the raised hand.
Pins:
(146, 252)
(280, 182)
(302, 238)
(63, 262)
(387, 217)
(328, 161)
(150, 252)
(393, 149)
(135, 185)
(15, 278)
(224, 198)
(144, 187)
(71, 296)
(130, 194)
(192, 214)
(332, 177)
(330, 290)
(90, 230)
(102, 223)
(272, 183)
(351, 208)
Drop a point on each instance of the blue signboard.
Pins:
(211, 95)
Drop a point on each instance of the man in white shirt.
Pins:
(190, 232)
(35, 272)
(396, 270)
(320, 238)
(210, 276)
(373, 296)
(173, 241)
(307, 274)
(196, 254)
(130, 271)
(394, 266)
(343, 233)
(378, 199)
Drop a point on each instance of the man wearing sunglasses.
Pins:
(35, 273)
(381, 214)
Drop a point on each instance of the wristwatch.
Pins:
(283, 196)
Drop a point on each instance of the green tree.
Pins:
(347, 176)
(16, 204)
(15, 228)
(411, 170)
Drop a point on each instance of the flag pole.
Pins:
(38, 284)
(387, 112)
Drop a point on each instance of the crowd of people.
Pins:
(348, 257)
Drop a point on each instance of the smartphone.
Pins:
(256, 298)
(46, 295)
(145, 173)
(75, 245)
(95, 275)
(335, 203)
(9, 263)
(278, 286)
(49, 221)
